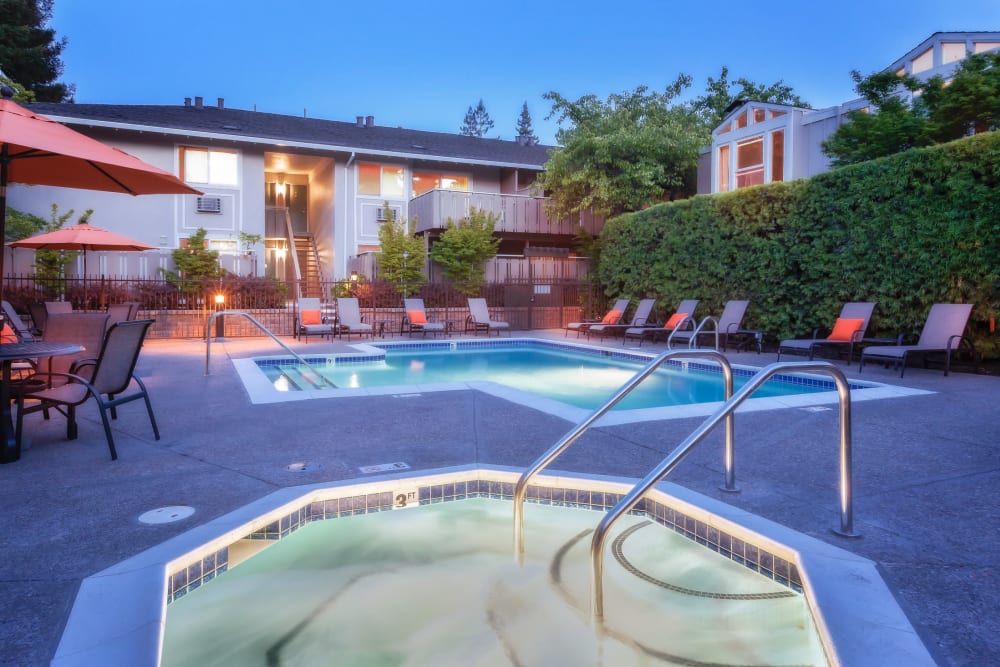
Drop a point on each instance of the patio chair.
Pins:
(683, 318)
(87, 329)
(728, 324)
(58, 307)
(309, 320)
(479, 319)
(640, 318)
(613, 316)
(118, 312)
(349, 320)
(38, 316)
(847, 332)
(943, 332)
(108, 378)
(21, 331)
(415, 319)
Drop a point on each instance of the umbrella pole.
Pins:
(3, 213)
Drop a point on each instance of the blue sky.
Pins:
(422, 64)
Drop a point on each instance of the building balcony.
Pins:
(517, 214)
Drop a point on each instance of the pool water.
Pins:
(437, 585)
(578, 379)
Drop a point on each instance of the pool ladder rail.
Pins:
(255, 322)
(672, 460)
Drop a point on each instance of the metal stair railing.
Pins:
(693, 340)
(520, 489)
(223, 313)
(632, 498)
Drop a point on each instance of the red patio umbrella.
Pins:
(81, 237)
(38, 151)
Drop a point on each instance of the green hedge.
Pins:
(908, 231)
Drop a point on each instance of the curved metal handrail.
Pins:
(520, 489)
(632, 498)
(208, 342)
(693, 339)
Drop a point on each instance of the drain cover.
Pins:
(302, 467)
(166, 514)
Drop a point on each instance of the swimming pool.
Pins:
(574, 379)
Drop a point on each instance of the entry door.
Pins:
(298, 207)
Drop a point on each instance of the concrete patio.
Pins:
(925, 470)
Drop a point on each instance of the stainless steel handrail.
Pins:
(693, 340)
(520, 489)
(208, 342)
(632, 498)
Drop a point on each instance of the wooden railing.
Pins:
(517, 213)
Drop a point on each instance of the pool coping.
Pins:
(260, 390)
(119, 613)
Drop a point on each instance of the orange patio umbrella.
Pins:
(38, 151)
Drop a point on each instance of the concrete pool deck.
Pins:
(924, 470)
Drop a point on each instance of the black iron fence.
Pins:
(182, 309)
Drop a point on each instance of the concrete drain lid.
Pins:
(166, 514)
(302, 467)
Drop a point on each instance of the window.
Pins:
(723, 169)
(758, 115)
(952, 52)
(380, 180)
(425, 182)
(741, 122)
(211, 167)
(750, 162)
(777, 156)
(776, 114)
(923, 62)
(979, 47)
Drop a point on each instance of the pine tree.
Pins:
(29, 52)
(477, 122)
(523, 130)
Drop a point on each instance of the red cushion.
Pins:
(8, 335)
(844, 329)
(416, 316)
(612, 317)
(674, 320)
(311, 317)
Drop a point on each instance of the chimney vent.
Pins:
(369, 121)
(198, 102)
(521, 140)
(187, 101)
(222, 103)
(360, 121)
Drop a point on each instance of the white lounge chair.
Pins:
(479, 319)
(415, 319)
(309, 320)
(349, 320)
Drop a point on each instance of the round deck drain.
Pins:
(166, 514)
(302, 466)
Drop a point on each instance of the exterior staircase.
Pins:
(310, 280)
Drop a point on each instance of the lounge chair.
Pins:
(21, 331)
(108, 378)
(640, 318)
(309, 320)
(415, 319)
(613, 316)
(847, 332)
(943, 332)
(683, 318)
(58, 307)
(38, 316)
(479, 319)
(349, 320)
(728, 324)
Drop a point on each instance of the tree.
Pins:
(401, 261)
(623, 154)
(971, 100)
(477, 122)
(523, 130)
(720, 93)
(29, 52)
(194, 264)
(465, 248)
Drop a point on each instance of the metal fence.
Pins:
(182, 309)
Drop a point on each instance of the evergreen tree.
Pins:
(401, 260)
(477, 122)
(523, 128)
(29, 52)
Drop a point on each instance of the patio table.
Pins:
(9, 353)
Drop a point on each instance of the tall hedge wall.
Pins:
(908, 231)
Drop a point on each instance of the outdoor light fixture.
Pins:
(220, 299)
(354, 276)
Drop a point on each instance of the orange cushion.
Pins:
(311, 317)
(8, 335)
(844, 329)
(416, 316)
(612, 317)
(674, 320)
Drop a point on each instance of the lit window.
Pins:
(379, 180)
(758, 115)
(777, 114)
(726, 129)
(211, 167)
(952, 52)
(979, 47)
(777, 156)
(723, 169)
(425, 182)
(742, 120)
(923, 62)
(750, 162)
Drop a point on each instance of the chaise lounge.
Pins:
(613, 316)
(415, 319)
(681, 319)
(640, 318)
(479, 319)
(349, 320)
(729, 324)
(943, 332)
(847, 332)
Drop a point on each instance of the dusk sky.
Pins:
(420, 65)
